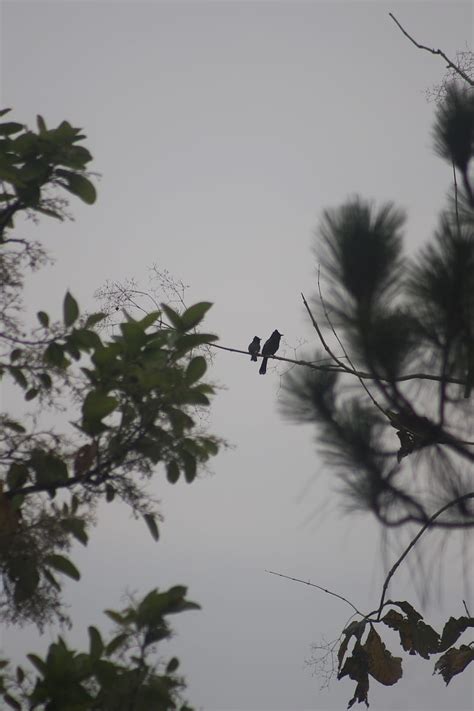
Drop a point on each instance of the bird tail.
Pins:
(254, 357)
(263, 367)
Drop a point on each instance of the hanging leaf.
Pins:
(43, 318)
(196, 369)
(454, 662)
(70, 310)
(172, 472)
(78, 185)
(416, 637)
(356, 668)
(383, 667)
(152, 526)
(453, 629)
(63, 565)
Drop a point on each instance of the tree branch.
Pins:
(313, 585)
(349, 371)
(427, 525)
(451, 64)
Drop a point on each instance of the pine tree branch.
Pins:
(451, 64)
(415, 540)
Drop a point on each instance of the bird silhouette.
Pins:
(270, 347)
(254, 348)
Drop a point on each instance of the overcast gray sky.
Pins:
(221, 131)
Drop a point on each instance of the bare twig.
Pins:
(427, 525)
(379, 407)
(313, 585)
(341, 365)
(451, 64)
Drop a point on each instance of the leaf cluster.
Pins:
(121, 673)
(131, 398)
(369, 656)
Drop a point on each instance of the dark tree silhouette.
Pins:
(406, 325)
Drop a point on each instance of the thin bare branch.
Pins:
(427, 525)
(341, 365)
(313, 585)
(349, 371)
(451, 64)
(326, 314)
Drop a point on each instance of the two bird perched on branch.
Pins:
(270, 347)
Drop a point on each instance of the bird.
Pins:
(254, 348)
(270, 347)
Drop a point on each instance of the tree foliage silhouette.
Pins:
(130, 408)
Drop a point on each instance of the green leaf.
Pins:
(45, 380)
(212, 448)
(115, 617)
(10, 127)
(193, 340)
(180, 420)
(109, 493)
(4, 111)
(76, 527)
(78, 185)
(31, 394)
(172, 665)
(20, 675)
(172, 472)
(17, 475)
(152, 526)
(13, 425)
(194, 397)
(190, 466)
(54, 355)
(194, 315)
(196, 369)
(149, 319)
(41, 124)
(38, 663)
(116, 643)
(93, 319)
(43, 318)
(172, 316)
(15, 354)
(49, 468)
(17, 375)
(97, 405)
(51, 579)
(96, 645)
(63, 565)
(70, 310)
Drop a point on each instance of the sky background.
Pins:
(221, 130)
